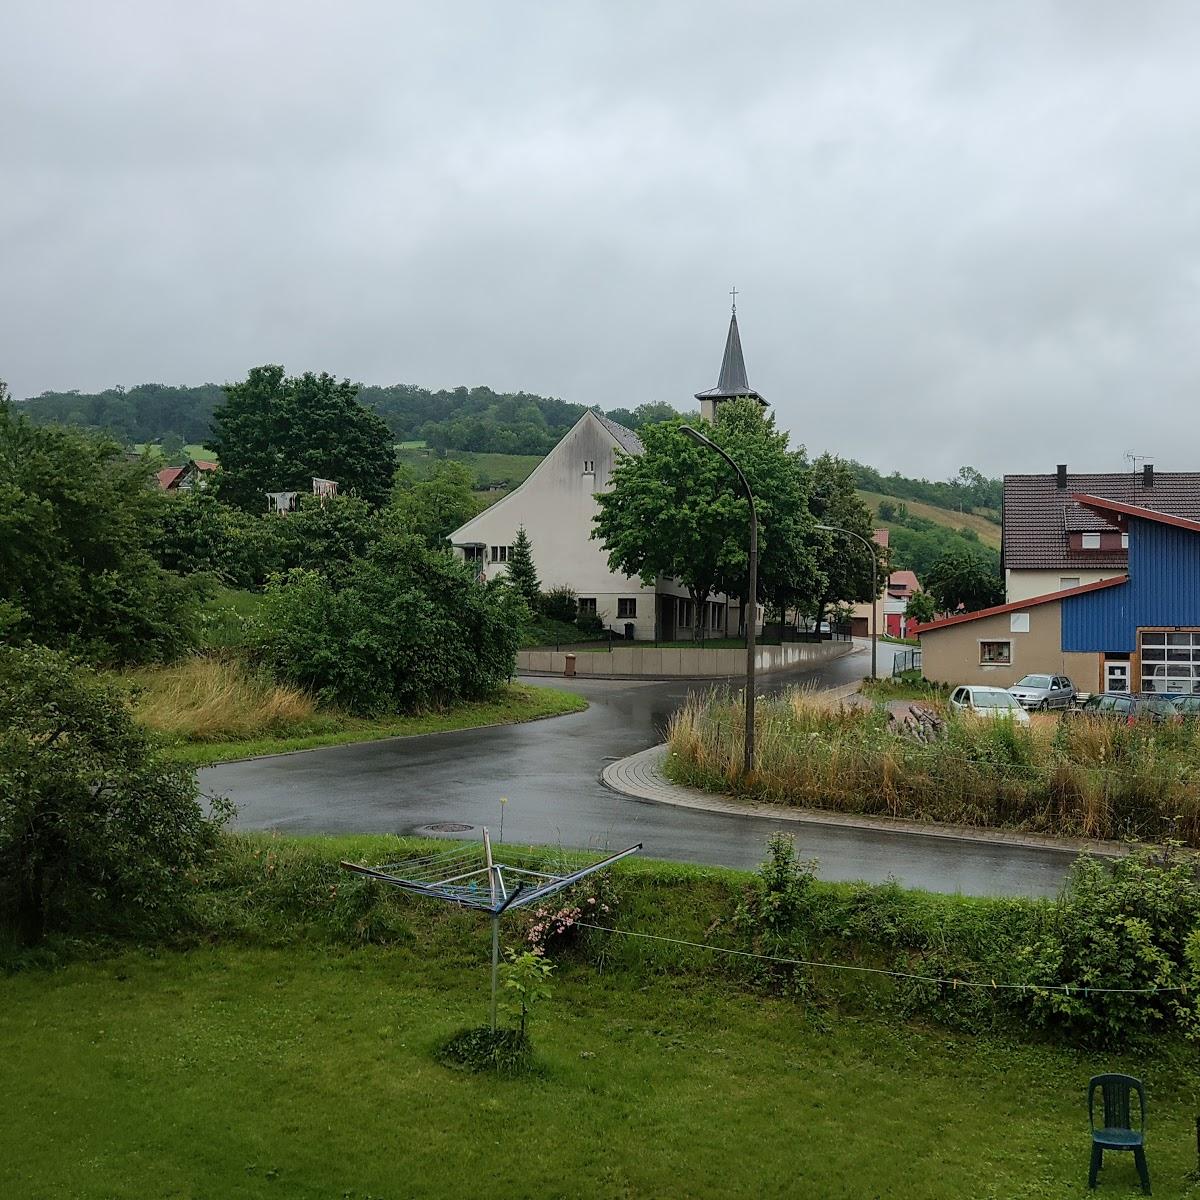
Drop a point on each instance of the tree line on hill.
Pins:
(461, 418)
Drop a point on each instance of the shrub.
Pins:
(560, 604)
(405, 628)
(77, 521)
(504, 1051)
(1126, 925)
(590, 625)
(525, 978)
(97, 831)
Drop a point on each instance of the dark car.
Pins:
(1122, 706)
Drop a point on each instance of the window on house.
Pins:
(995, 653)
(1091, 541)
(627, 608)
(1068, 581)
(589, 466)
(587, 606)
(1124, 541)
(685, 614)
(500, 553)
(473, 553)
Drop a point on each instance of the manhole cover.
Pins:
(448, 827)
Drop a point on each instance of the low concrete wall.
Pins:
(650, 662)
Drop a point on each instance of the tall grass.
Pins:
(207, 699)
(1075, 777)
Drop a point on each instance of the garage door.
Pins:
(1170, 662)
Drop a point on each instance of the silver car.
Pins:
(989, 702)
(1040, 692)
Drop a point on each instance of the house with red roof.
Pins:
(193, 474)
(1133, 630)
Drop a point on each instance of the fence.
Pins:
(907, 660)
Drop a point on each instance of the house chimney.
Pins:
(1148, 475)
(1062, 475)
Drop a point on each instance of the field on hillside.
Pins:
(506, 469)
(988, 530)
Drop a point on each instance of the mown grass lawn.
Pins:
(307, 1073)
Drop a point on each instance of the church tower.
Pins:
(732, 382)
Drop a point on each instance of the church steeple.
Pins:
(732, 382)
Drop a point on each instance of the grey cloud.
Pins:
(962, 233)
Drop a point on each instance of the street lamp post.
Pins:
(874, 595)
(751, 593)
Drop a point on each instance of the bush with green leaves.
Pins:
(77, 523)
(1130, 924)
(402, 629)
(525, 978)
(482, 1048)
(560, 604)
(98, 832)
(198, 533)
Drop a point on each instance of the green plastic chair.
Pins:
(1117, 1132)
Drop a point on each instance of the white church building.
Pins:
(557, 502)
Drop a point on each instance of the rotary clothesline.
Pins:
(985, 985)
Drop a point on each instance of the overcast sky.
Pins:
(962, 232)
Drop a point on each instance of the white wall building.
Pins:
(556, 504)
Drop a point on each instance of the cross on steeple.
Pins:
(733, 293)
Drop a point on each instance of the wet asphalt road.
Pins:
(549, 771)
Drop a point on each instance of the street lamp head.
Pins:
(696, 436)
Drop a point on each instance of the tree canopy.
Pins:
(969, 581)
(677, 509)
(78, 519)
(433, 508)
(276, 433)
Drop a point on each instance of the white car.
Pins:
(987, 702)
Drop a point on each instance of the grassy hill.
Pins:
(505, 470)
(987, 529)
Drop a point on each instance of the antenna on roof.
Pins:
(1134, 460)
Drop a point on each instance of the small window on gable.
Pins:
(1091, 541)
(589, 466)
(995, 653)
(1124, 541)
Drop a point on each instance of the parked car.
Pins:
(987, 702)
(1040, 692)
(1123, 706)
(1187, 706)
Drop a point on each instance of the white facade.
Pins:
(556, 505)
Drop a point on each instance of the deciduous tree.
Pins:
(969, 581)
(276, 433)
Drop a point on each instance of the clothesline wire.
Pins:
(991, 985)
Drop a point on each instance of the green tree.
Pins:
(77, 523)
(403, 628)
(98, 832)
(676, 510)
(433, 508)
(846, 568)
(966, 580)
(522, 574)
(920, 607)
(276, 433)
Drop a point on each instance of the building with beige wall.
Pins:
(556, 505)
(1002, 645)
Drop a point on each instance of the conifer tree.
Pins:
(521, 570)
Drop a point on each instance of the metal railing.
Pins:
(906, 660)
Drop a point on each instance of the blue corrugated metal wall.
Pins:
(1163, 589)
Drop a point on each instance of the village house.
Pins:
(193, 474)
(1136, 628)
(1053, 543)
(557, 502)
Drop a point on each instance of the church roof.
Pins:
(626, 438)
(732, 381)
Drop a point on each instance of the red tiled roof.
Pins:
(1039, 515)
(1020, 605)
(906, 581)
(881, 537)
(168, 477)
(204, 466)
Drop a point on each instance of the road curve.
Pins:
(550, 773)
